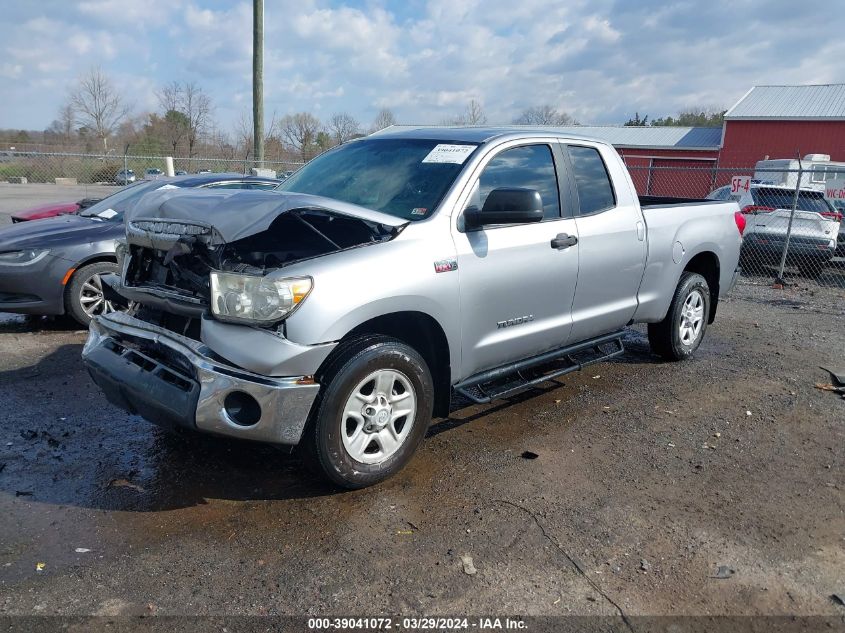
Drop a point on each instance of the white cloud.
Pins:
(600, 60)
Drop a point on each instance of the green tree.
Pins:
(694, 117)
(637, 121)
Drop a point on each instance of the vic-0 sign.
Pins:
(835, 189)
(740, 184)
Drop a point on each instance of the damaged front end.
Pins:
(196, 268)
(167, 262)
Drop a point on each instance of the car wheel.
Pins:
(371, 414)
(84, 298)
(678, 335)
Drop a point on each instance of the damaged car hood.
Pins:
(223, 216)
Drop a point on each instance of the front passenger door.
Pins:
(516, 287)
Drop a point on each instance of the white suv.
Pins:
(766, 208)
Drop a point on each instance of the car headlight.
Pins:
(23, 258)
(251, 299)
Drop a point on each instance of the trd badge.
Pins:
(445, 265)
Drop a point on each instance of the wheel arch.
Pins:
(91, 259)
(706, 264)
(425, 334)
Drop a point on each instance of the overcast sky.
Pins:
(599, 60)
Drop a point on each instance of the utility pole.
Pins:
(258, 81)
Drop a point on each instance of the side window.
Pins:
(595, 192)
(528, 167)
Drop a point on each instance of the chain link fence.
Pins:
(41, 167)
(794, 231)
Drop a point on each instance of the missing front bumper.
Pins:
(173, 380)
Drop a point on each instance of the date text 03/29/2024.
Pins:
(417, 624)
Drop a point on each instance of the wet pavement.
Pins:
(648, 478)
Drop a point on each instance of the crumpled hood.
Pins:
(234, 214)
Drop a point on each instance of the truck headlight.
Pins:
(251, 299)
(24, 257)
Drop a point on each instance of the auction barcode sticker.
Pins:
(445, 153)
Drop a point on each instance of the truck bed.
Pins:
(663, 201)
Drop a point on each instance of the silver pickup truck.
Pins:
(343, 310)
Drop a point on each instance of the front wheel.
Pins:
(84, 297)
(678, 335)
(372, 412)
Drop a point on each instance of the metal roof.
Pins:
(645, 137)
(825, 101)
(655, 137)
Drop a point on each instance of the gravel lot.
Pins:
(649, 476)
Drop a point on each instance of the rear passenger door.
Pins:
(611, 242)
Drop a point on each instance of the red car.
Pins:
(52, 210)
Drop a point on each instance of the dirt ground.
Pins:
(707, 487)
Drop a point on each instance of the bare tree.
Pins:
(67, 120)
(473, 115)
(174, 121)
(197, 108)
(243, 131)
(544, 115)
(343, 127)
(97, 105)
(384, 118)
(63, 128)
(300, 132)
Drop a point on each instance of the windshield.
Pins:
(406, 178)
(782, 199)
(112, 207)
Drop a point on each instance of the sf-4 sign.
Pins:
(740, 184)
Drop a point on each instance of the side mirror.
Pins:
(506, 205)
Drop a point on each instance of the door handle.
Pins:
(564, 240)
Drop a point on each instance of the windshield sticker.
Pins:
(445, 153)
(108, 214)
(419, 211)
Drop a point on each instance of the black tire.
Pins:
(74, 299)
(665, 337)
(354, 361)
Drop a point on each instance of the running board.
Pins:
(507, 380)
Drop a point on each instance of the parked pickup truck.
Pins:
(341, 311)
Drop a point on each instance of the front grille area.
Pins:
(185, 274)
(160, 227)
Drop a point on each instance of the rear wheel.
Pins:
(372, 412)
(84, 298)
(678, 335)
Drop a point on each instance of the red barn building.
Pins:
(767, 122)
(784, 122)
